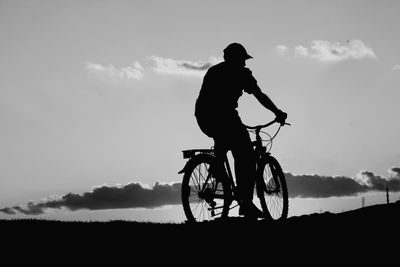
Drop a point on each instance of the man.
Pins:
(218, 118)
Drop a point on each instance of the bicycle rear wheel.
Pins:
(202, 193)
(273, 192)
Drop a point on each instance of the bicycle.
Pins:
(206, 196)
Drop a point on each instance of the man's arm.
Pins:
(267, 103)
(265, 100)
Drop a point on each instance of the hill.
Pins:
(374, 225)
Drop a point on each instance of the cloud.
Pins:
(281, 49)
(394, 172)
(182, 67)
(132, 72)
(301, 51)
(369, 179)
(326, 51)
(352, 49)
(160, 65)
(9, 211)
(134, 195)
(396, 67)
(316, 186)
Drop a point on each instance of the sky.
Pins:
(97, 101)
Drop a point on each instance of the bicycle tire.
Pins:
(203, 196)
(272, 190)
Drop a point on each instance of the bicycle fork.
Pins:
(272, 186)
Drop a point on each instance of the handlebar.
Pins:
(259, 127)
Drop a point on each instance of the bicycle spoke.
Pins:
(197, 204)
(198, 178)
(202, 193)
(194, 179)
(274, 198)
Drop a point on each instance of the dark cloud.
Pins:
(193, 66)
(9, 211)
(31, 209)
(395, 171)
(134, 195)
(372, 181)
(316, 186)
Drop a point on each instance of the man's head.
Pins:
(236, 53)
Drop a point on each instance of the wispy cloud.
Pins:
(132, 72)
(335, 51)
(159, 65)
(281, 49)
(135, 195)
(326, 51)
(182, 67)
(301, 51)
(396, 67)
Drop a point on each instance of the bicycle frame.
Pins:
(229, 177)
(226, 173)
(259, 150)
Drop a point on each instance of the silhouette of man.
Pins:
(218, 118)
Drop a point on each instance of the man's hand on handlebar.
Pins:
(281, 117)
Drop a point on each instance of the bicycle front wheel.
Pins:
(202, 193)
(272, 188)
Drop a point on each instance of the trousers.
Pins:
(230, 134)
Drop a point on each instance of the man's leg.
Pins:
(245, 164)
(220, 150)
(245, 170)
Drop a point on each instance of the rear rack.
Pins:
(187, 154)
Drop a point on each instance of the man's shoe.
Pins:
(250, 211)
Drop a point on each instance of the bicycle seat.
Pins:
(187, 154)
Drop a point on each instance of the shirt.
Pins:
(222, 86)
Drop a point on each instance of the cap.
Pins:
(237, 51)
